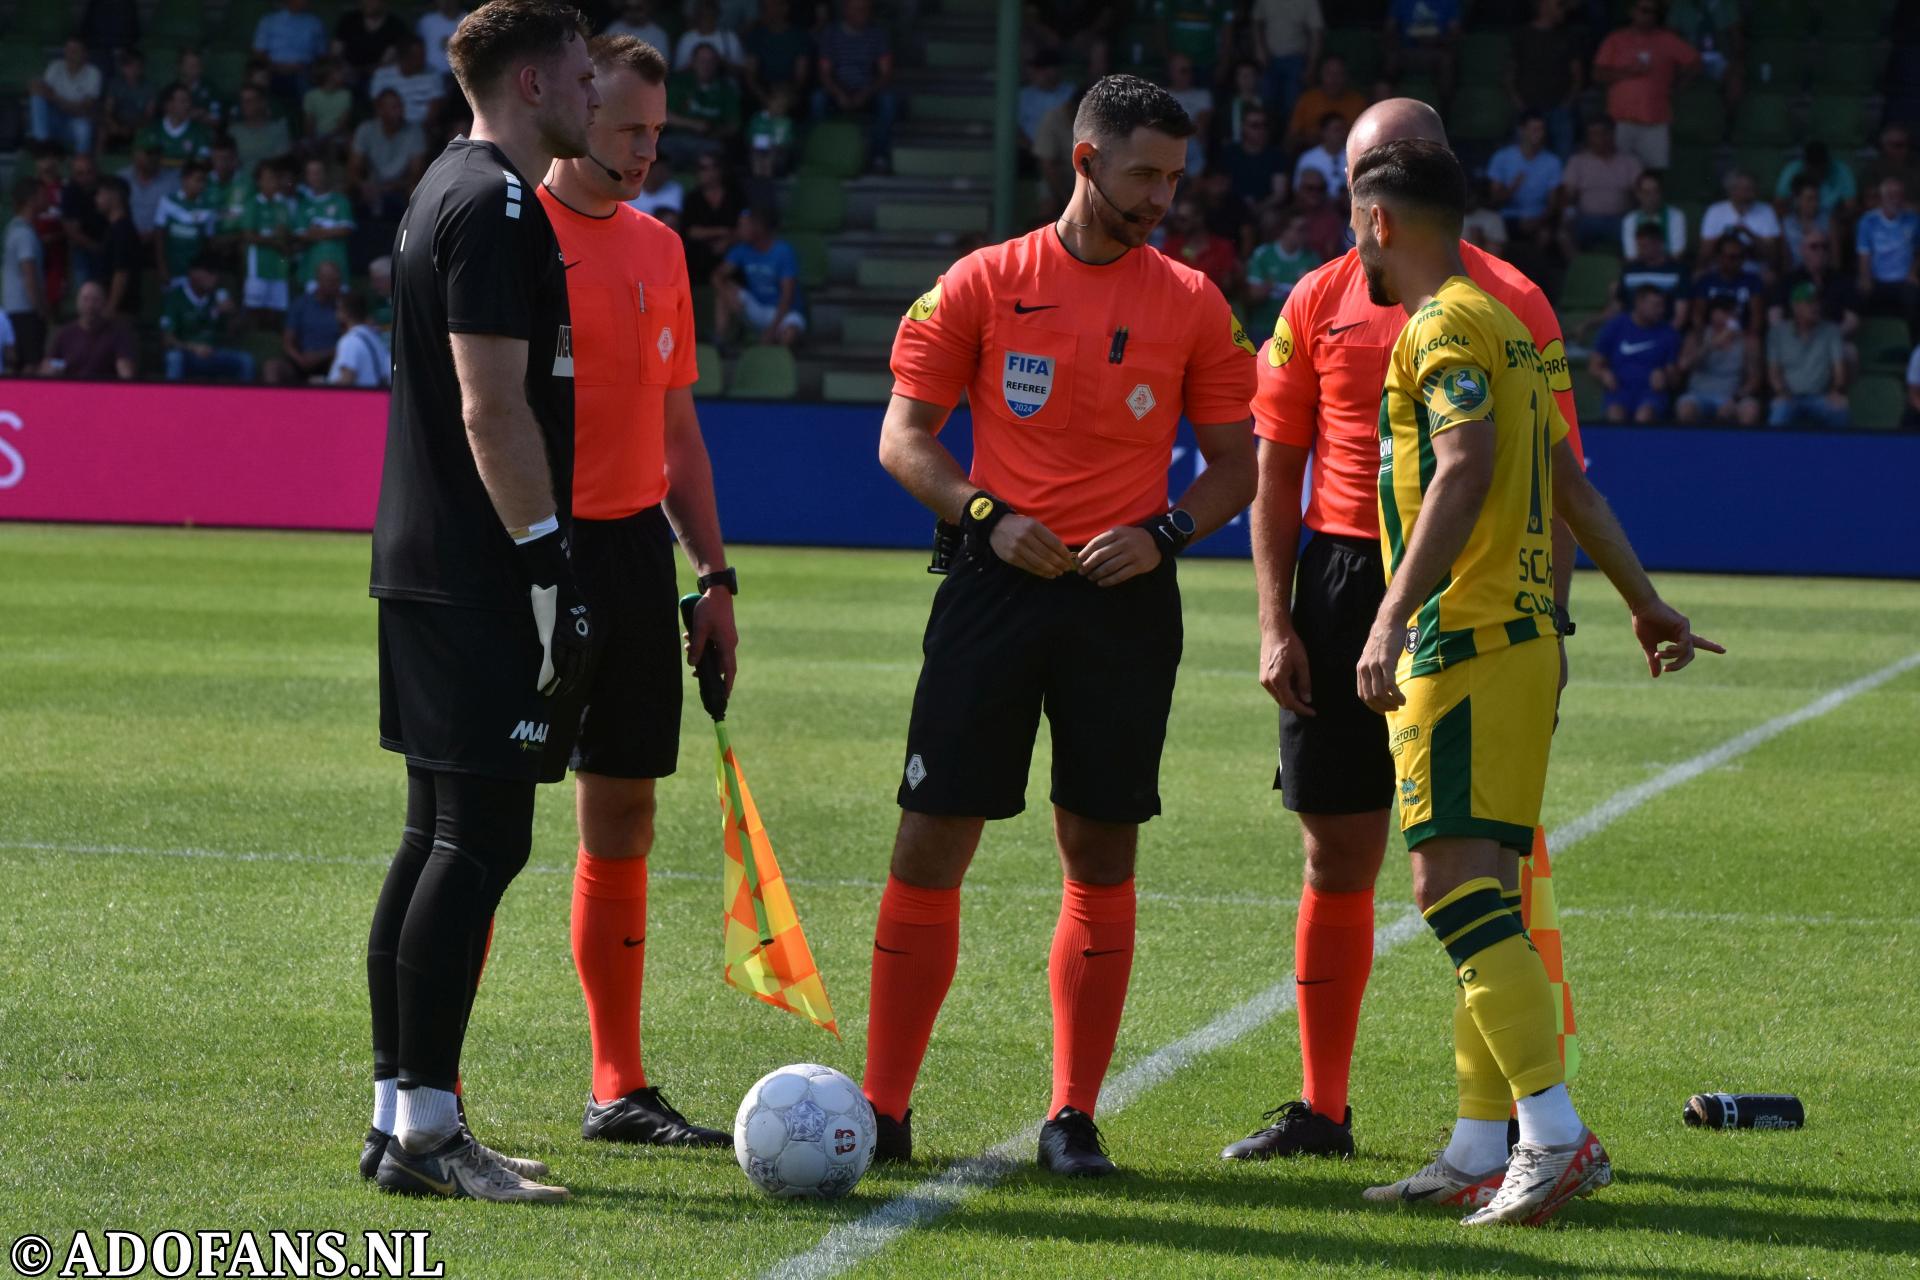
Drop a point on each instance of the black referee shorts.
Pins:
(1001, 647)
(625, 568)
(1335, 761)
(458, 693)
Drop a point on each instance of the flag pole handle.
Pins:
(713, 685)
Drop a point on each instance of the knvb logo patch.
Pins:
(1026, 381)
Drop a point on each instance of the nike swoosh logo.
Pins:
(890, 951)
(1634, 348)
(1336, 329)
(1114, 951)
(1411, 1196)
(444, 1188)
(1310, 982)
(1019, 309)
(571, 265)
(633, 942)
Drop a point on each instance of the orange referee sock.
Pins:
(1332, 958)
(916, 947)
(1091, 964)
(610, 952)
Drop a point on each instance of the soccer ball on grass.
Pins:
(804, 1131)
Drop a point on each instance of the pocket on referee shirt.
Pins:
(660, 337)
(1140, 397)
(1035, 365)
(605, 322)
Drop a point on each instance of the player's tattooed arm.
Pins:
(507, 447)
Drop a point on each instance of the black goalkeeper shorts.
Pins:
(625, 569)
(1001, 647)
(1335, 761)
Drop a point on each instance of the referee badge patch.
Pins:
(1280, 350)
(1026, 381)
(923, 306)
(1240, 338)
(666, 343)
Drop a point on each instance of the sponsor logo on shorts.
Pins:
(1141, 401)
(1026, 381)
(1409, 793)
(916, 772)
(529, 734)
(1399, 740)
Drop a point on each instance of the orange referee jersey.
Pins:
(1077, 374)
(1322, 372)
(632, 340)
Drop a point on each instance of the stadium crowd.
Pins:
(175, 226)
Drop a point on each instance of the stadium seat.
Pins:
(1483, 57)
(177, 22)
(1777, 66)
(764, 373)
(1773, 19)
(935, 216)
(836, 148)
(1847, 66)
(908, 277)
(1699, 116)
(870, 328)
(1764, 119)
(1842, 120)
(712, 376)
(226, 68)
(1764, 163)
(1589, 396)
(860, 386)
(1361, 49)
(1589, 283)
(811, 248)
(817, 202)
(1884, 345)
(1693, 176)
(1481, 111)
(1851, 19)
(944, 163)
(1878, 402)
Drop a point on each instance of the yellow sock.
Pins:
(1483, 1089)
(1503, 985)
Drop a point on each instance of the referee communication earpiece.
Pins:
(1086, 167)
(612, 172)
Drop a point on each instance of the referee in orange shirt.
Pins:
(1079, 349)
(1321, 376)
(641, 475)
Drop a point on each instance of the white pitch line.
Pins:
(851, 1243)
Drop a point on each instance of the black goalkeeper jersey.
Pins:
(475, 254)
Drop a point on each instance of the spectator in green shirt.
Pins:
(703, 110)
(266, 229)
(322, 221)
(1277, 265)
(185, 224)
(191, 69)
(196, 315)
(176, 137)
(770, 134)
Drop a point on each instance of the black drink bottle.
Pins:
(1745, 1111)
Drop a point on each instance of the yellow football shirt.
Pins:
(1464, 357)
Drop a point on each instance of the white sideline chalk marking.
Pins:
(851, 1243)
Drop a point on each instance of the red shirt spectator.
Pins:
(1190, 242)
(93, 347)
(1639, 64)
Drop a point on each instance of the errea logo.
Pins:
(529, 734)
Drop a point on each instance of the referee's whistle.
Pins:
(1118, 351)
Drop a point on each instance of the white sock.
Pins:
(1477, 1146)
(1547, 1118)
(384, 1101)
(425, 1117)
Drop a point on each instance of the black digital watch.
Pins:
(719, 578)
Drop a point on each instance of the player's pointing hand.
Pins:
(1667, 638)
(1025, 543)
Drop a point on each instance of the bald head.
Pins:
(1394, 120)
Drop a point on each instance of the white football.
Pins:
(804, 1131)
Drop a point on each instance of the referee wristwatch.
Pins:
(983, 511)
(719, 578)
(1172, 531)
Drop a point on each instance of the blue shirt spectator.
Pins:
(290, 36)
(1730, 276)
(1634, 356)
(1425, 19)
(761, 283)
(1525, 173)
(1886, 236)
(313, 323)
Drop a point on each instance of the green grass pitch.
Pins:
(195, 817)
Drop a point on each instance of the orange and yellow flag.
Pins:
(766, 953)
(1541, 917)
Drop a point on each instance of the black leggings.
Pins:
(465, 840)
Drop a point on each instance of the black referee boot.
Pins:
(893, 1139)
(645, 1118)
(1070, 1146)
(1299, 1131)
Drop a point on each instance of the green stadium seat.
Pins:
(960, 55)
(1589, 397)
(226, 68)
(1589, 283)
(817, 202)
(1844, 67)
(1483, 57)
(908, 277)
(974, 107)
(837, 148)
(1764, 163)
(934, 216)
(1780, 19)
(1360, 47)
(1841, 120)
(943, 162)
(1884, 345)
(1764, 119)
(811, 248)
(859, 386)
(1878, 402)
(1851, 19)
(1699, 116)
(712, 376)
(870, 328)
(1692, 175)
(1777, 66)
(178, 22)
(1481, 112)
(20, 63)
(764, 373)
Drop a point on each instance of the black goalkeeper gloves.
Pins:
(559, 616)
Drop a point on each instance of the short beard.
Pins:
(566, 143)
(1131, 234)
(1377, 292)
